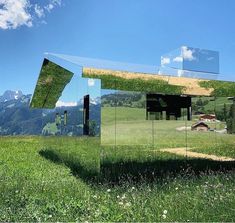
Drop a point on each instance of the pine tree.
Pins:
(231, 119)
(225, 112)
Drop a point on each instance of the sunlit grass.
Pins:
(37, 188)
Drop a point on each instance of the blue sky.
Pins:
(135, 31)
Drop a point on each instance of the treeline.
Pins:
(122, 99)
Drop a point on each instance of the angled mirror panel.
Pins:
(192, 59)
(162, 84)
(200, 60)
(51, 83)
(64, 127)
(172, 59)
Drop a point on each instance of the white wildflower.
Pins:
(123, 196)
(120, 203)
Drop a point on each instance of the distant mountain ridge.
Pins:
(17, 118)
(11, 95)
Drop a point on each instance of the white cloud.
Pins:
(91, 82)
(66, 104)
(178, 59)
(17, 13)
(210, 58)
(187, 54)
(52, 4)
(180, 73)
(14, 13)
(39, 11)
(165, 60)
(49, 7)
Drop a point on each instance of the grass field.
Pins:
(130, 128)
(75, 179)
(54, 179)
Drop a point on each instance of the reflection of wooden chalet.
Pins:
(205, 117)
(200, 126)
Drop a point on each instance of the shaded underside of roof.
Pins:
(50, 85)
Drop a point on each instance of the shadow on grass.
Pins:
(136, 172)
(161, 170)
(77, 169)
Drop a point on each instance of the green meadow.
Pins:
(130, 127)
(41, 182)
(75, 179)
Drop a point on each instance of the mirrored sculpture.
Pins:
(122, 112)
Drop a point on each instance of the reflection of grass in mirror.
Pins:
(221, 88)
(51, 82)
(136, 84)
(132, 128)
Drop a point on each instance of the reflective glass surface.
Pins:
(110, 118)
(71, 129)
(192, 59)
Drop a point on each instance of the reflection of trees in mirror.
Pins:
(124, 99)
(221, 88)
(231, 119)
(93, 128)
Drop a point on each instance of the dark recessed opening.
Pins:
(169, 107)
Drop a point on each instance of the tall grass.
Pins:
(37, 186)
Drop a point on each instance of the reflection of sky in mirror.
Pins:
(102, 64)
(202, 61)
(191, 62)
(171, 64)
(77, 88)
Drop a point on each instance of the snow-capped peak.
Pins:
(11, 95)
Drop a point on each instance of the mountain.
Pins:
(93, 101)
(10, 95)
(17, 118)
